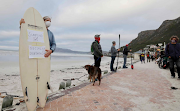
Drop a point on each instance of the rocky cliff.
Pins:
(162, 34)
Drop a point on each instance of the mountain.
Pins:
(160, 35)
(61, 50)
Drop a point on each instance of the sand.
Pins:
(10, 79)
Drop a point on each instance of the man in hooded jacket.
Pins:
(97, 52)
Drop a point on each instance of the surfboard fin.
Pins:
(49, 87)
(38, 102)
(26, 93)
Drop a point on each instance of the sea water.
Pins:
(9, 61)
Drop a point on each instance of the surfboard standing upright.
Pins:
(34, 67)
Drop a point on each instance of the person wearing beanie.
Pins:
(125, 53)
(173, 53)
(142, 57)
(97, 52)
(52, 42)
(114, 52)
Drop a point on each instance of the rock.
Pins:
(14, 75)
(7, 101)
(77, 72)
(61, 70)
(21, 100)
(119, 67)
(17, 103)
(52, 70)
(106, 71)
(68, 83)
(62, 85)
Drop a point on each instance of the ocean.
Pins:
(59, 61)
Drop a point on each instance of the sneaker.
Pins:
(172, 77)
(125, 67)
(112, 70)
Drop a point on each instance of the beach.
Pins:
(63, 66)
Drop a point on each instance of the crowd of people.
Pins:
(164, 57)
(168, 57)
(143, 55)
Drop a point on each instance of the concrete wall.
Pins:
(136, 56)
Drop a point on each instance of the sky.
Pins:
(75, 22)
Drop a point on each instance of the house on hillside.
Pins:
(137, 55)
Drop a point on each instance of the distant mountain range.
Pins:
(69, 51)
(160, 35)
(61, 50)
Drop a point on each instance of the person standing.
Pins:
(142, 57)
(114, 52)
(172, 51)
(148, 57)
(52, 42)
(125, 54)
(152, 57)
(97, 52)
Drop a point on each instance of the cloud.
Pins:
(9, 34)
(106, 36)
(92, 11)
(81, 13)
(75, 22)
(10, 7)
(9, 47)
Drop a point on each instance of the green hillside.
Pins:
(160, 35)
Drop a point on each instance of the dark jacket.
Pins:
(97, 49)
(125, 52)
(173, 50)
(113, 51)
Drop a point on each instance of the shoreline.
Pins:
(66, 73)
(10, 81)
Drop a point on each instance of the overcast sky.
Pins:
(75, 22)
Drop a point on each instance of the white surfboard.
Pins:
(34, 69)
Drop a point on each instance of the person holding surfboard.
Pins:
(52, 43)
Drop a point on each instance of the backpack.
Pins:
(92, 50)
(142, 54)
(147, 55)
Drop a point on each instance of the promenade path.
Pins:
(145, 88)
